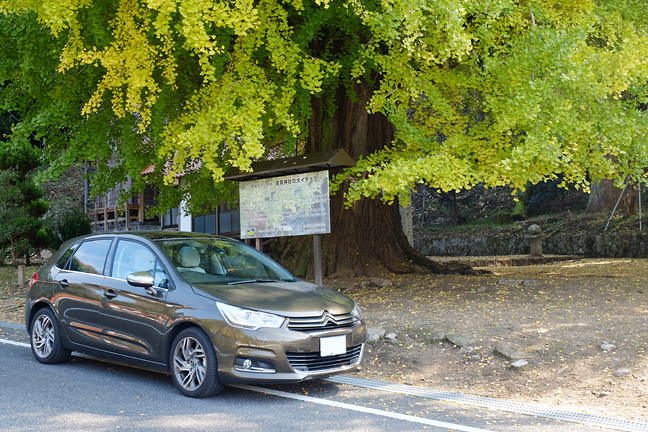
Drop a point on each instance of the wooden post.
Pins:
(406, 214)
(21, 275)
(105, 211)
(259, 244)
(141, 208)
(116, 217)
(317, 257)
(127, 213)
(640, 205)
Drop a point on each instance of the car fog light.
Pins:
(253, 365)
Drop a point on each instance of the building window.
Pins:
(205, 223)
(170, 219)
(228, 223)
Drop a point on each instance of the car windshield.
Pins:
(211, 260)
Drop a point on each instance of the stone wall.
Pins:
(591, 246)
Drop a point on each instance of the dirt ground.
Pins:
(559, 325)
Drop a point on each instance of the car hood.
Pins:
(290, 299)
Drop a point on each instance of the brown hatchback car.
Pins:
(209, 310)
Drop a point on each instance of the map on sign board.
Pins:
(285, 206)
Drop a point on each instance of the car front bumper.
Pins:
(285, 356)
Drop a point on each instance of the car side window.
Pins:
(90, 257)
(66, 256)
(161, 278)
(132, 257)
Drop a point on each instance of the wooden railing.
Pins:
(120, 217)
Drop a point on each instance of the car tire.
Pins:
(193, 364)
(45, 338)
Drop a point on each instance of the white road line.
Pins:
(310, 399)
(10, 342)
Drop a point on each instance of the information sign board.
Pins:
(285, 206)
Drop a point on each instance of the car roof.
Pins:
(152, 235)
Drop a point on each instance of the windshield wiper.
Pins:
(253, 281)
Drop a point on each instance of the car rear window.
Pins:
(90, 256)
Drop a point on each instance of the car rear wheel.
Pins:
(45, 338)
(193, 365)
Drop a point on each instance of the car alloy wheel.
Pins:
(193, 364)
(189, 363)
(46, 340)
(43, 336)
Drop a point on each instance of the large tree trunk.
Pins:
(604, 196)
(369, 234)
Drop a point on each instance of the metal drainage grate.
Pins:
(515, 407)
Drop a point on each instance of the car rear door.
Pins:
(78, 291)
(134, 317)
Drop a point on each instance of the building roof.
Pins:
(294, 165)
(148, 170)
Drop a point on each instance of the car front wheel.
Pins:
(193, 364)
(45, 338)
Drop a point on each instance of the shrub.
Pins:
(75, 223)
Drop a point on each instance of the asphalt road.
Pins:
(87, 394)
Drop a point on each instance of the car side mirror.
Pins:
(142, 279)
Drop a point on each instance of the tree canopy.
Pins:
(492, 92)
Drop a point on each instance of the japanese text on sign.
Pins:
(285, 206)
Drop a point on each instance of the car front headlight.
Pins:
(356, 312)
(248, 319)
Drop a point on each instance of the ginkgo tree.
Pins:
(450, 93)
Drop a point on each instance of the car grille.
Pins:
(309, 362)
(326, 321)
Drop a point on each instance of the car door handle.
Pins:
(109, 294)
(64, 282)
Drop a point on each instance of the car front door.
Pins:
(78, 291)
(133, 317)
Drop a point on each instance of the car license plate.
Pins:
(332, 345)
